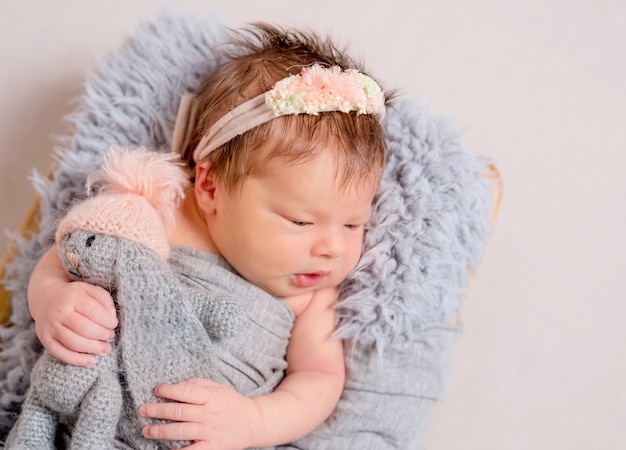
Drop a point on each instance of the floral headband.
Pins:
(315, 89)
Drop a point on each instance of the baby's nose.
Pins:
(332, 245)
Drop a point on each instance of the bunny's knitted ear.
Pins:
(139, 191)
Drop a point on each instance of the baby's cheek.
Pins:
(351, 260)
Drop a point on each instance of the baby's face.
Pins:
(291, 229)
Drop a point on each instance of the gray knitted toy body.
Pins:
(59, 389)
(166, 328)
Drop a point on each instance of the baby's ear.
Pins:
(205, 186)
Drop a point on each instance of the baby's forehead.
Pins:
(312, 184)
(342, 174)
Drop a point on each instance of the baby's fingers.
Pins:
(84, 327)
(194, 391)
(178, 412)
(102, 310)
(79, 343)
(176, 431)
(62, 353)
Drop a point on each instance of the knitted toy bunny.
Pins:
(118, 240)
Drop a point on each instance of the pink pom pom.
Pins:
(158, 177)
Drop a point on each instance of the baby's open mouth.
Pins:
(309, 279)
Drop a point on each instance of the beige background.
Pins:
(538, 85)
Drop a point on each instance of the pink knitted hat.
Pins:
(138, 195)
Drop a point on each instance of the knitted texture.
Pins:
(97, 245)
(94, 393)
(138, 193)
(428, 226)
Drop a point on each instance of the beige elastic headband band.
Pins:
(315, 89)
(243, 118)
(185, 123)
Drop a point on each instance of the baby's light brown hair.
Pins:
(257, 58)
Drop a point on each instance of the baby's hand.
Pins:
(73, 320)
(211, 414)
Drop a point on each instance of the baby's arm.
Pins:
(72, 319)
(315, 376)
(207, 411)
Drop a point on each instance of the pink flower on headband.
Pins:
(317, 89)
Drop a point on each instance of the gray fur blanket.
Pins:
(427, 231)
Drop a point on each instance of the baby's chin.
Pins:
(289, 292)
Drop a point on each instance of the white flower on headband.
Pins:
(317, 89)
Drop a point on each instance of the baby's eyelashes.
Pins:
(300, 223)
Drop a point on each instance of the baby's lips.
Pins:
(310, 279)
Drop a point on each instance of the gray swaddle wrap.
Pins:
(253, 361)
